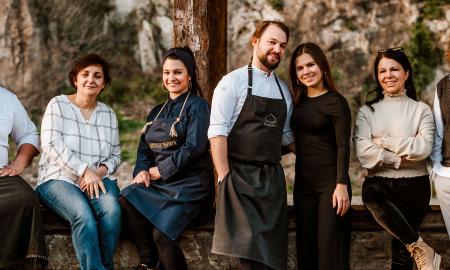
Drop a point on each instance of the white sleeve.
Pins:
(113, 161)
(23, 129)
(222, 108)
(436, 153)
(288, 135)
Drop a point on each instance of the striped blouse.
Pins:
(70, 143)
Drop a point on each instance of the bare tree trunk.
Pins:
(202, 25)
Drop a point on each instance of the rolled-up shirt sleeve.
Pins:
(288, 135)
(222, 108)
(436, 154)
(23, 129)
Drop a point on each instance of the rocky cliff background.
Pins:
(40, 39)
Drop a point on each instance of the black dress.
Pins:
(322, 127)
(184, 162)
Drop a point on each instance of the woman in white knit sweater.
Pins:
(393, 137)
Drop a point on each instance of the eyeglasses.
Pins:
(395, 49)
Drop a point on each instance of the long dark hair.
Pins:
(185, 55)
(400, 57)
(299, 90)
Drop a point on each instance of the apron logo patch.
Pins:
(270, 121)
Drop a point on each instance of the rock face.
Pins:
(350, 32)
(39, 39)
(20, 45)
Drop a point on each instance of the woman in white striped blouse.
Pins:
(80, 152)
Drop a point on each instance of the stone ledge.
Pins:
(370, 248)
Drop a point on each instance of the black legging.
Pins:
(151, 243)
(398, 205)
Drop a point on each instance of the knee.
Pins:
(110, 213)
(84, 219)
(25, 194)
(161, 239)
(371, 195)
(111, 207)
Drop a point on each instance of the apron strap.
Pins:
(148, 124)
(279, 87)
(250, 79)
(250, 82)
(173, 133)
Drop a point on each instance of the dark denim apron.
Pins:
(251, 216)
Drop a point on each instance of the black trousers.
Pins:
(398, 205)
(152, 244)
(323, 237)
(22, 244)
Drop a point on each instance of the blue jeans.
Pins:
(95, 223)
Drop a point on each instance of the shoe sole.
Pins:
(437, 261)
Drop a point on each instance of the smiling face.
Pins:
(90, 80)
(308, 72)
(391, 76)
(269, 48)
(175, 77)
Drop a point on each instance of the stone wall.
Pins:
(370, 246)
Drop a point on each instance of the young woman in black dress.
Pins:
(173, 177)
(321, 123)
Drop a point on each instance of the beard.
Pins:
(269, 65)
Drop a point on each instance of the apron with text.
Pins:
(251, 215)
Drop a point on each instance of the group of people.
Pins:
(254, 118)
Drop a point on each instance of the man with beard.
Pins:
(250, 115)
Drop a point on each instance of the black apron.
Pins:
(251, 213)
(172, 204)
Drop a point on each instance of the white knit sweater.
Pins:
(406, 129)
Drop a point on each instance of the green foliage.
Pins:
(123, 91)
(424, 54)
(336, 74)
(277, 4)
(433, 9)
(129, 136)
(365, 94)
(122, 94)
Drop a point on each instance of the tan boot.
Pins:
(426, 258)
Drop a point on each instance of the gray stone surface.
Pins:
(370, 250)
